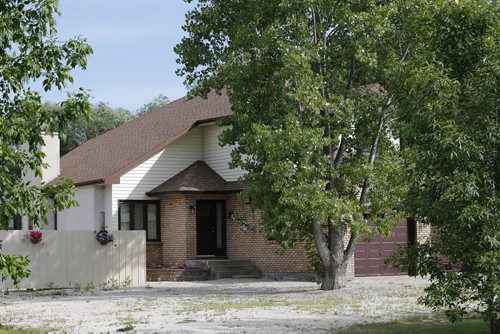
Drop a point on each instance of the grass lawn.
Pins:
(420, 326)
(10, 330)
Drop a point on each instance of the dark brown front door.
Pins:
(211, 228)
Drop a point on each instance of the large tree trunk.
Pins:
(335, 277)
(332, 256)
(331, 250)
(494, 326)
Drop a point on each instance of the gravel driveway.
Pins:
(227, 306)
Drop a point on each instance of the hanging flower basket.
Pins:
(35, 236)
(104, 237)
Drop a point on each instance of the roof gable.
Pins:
(106, 157)
(197, 178)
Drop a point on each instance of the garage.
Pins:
(369, 256)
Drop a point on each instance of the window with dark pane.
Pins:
(152, 219)
(140, 215)
(15, 224)
(124, 216)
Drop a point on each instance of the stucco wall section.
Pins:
(108, 207)
(82, 216)
(51, 150)
(99, 210)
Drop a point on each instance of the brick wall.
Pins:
(350, 263)
(245, 241)
(154, 256)
(177, 230)
(243, 238)
(178, 227)
(423, 232)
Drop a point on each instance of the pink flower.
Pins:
(35, 234)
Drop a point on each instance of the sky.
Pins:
(133, 41)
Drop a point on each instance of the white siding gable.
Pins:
(218, 157)
(201, 143)
(173, 159)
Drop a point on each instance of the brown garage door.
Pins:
(369, 256)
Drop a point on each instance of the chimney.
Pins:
(51, 150)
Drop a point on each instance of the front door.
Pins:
(211, 228)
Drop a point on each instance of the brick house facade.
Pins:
(237, 228)
(166, 173)
(243, 238)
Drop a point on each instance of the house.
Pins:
(165, 173)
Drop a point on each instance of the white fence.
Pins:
(64, 258)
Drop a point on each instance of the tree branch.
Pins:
(340, 153)
(402, 54)
(338, 231)
(335, 163)
(330, 234)
(352, 71)
(331, 34)
(351, 246)
(335, 6)
(373, 151)
(405, 54)
(321, 245)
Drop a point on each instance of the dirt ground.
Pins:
(222, 306)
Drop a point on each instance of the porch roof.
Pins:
(198, 178)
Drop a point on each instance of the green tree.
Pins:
(157, 102)
(448, 100)
(30, 52)
(311, 125)
(102, 119)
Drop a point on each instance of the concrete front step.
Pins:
(231, 267)
(165, 274)
(216, 274)
(247, 276)
(214, 263)
(224, 268)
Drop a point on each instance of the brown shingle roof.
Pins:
(197, 178)
(106, 157)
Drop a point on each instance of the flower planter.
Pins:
(35, 236)
(103, 237)
(35, 240)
